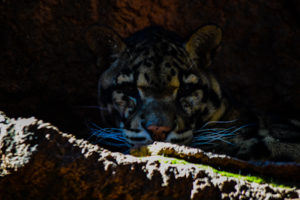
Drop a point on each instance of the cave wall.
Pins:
(48, 71)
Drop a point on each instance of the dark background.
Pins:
(47, 70)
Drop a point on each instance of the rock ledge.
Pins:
(40, 162)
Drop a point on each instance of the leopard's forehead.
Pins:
(155, 63)
(154, 45)
(160, 53)
(153, 58)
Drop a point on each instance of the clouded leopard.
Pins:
(160, 87)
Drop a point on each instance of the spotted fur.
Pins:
(158, 78)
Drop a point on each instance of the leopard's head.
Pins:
(159, 86)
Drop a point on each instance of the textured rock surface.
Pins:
(48, 71)
(288, 172)
(40, 162)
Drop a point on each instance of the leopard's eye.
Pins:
(120, 103)
(185, 104)
(186, 89)
(124, 103)
(131, 92)
(128, 90)
(126, 100)
(133, 100)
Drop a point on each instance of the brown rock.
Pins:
(40, 162)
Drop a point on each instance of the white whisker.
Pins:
(218, 122)
(211, 135)
(207, 129)
(108, 136)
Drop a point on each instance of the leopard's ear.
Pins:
(101, 38)
(202, 44)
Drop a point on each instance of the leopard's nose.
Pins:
(159, 133)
